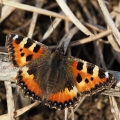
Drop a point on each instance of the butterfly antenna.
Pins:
(59, 46)
(53, 29)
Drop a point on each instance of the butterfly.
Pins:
(51, 76)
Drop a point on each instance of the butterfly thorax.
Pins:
(56, 59)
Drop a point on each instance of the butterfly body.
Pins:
(52, 76)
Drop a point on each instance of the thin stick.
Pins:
(34, 20)
(71, 16)
(7, 10)
(114, 108)
(10, 102)
(72, 114)
(91, 38)
(34, 9)
(20, 111)
(79, 103)
(109, 20)
(66, 113)
(54, 24)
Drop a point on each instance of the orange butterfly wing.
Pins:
(23, 50)
(89, 78)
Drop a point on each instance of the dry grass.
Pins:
(93, 20)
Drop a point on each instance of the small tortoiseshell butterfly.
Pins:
(52, 76)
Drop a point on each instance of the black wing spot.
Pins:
(101, 73)
(29, 58)
(22, 54)
(19, 39)
(86, 80)
(21, 49)
(69, 85)
(90, 68)
(80, 66)
(14, 62)
(91, 78)
(19, 72)
(31, 71)
(28, 44)
(36, 48)
(79, 78)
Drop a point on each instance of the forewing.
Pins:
(89, 78)
(23, 50)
